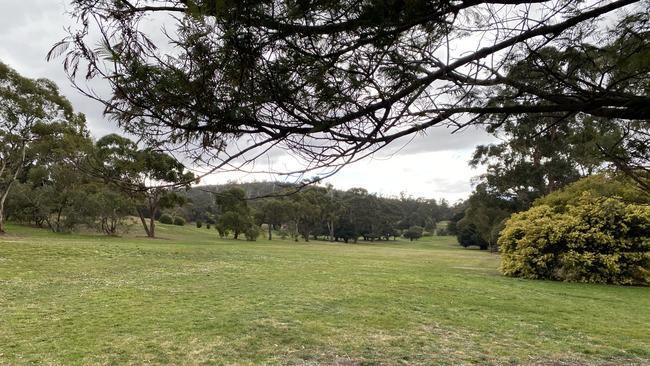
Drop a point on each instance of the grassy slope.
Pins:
(194, 299)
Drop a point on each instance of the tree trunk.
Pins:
(2, 218)
(144, 222)
(153, 207)
(152, 226)
(270, 232)
(2, 209)
(11, 182)
(331, 225)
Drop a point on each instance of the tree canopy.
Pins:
(38, 127)
(337, 80)
(145, 174)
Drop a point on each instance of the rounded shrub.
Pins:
(166, 219)
(252, 233)
(179, 221)
(199, 224)
(414, 232)
(599, 240)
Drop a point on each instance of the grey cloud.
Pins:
(441, 139)
(30, 28)
(449, 186)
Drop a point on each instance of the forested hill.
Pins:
(253, 189)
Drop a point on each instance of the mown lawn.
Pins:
(192, 298)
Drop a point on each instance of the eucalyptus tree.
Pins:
(146, 175)
(37, 126)
(538, 156)
(235, 214)
(275, 212)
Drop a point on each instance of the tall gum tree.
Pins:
(37, 124)
(148, 176)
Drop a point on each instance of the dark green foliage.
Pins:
(199, 224)
(110, 209)
(252, 233)
(179, 221)
(483, 217)
(316, 212)
(469, 235)
(413, 233)
(38, 130)
(236, 216)
(274, 212)
(599, 239)
(166, 219)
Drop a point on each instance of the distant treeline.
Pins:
(311, 211)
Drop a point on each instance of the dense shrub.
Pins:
(199, 224)
(414, 232)
(166, 219)
(179, 221)
(600, 239)
(600, 185)
(252, 233)
(469, 235)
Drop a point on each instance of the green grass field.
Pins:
(191, 298)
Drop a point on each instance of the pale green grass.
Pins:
(191, 298)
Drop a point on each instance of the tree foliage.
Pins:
(538, 155)
(335, 81)
(235, 214)
(319, 212)
(598, 240)
(37, 127)
(483, 218)
(146, 175)
(598, 185)
(166, 219)
(413, 233)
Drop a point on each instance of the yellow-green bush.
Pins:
(599, 239)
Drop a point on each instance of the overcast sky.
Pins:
(433, 165)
